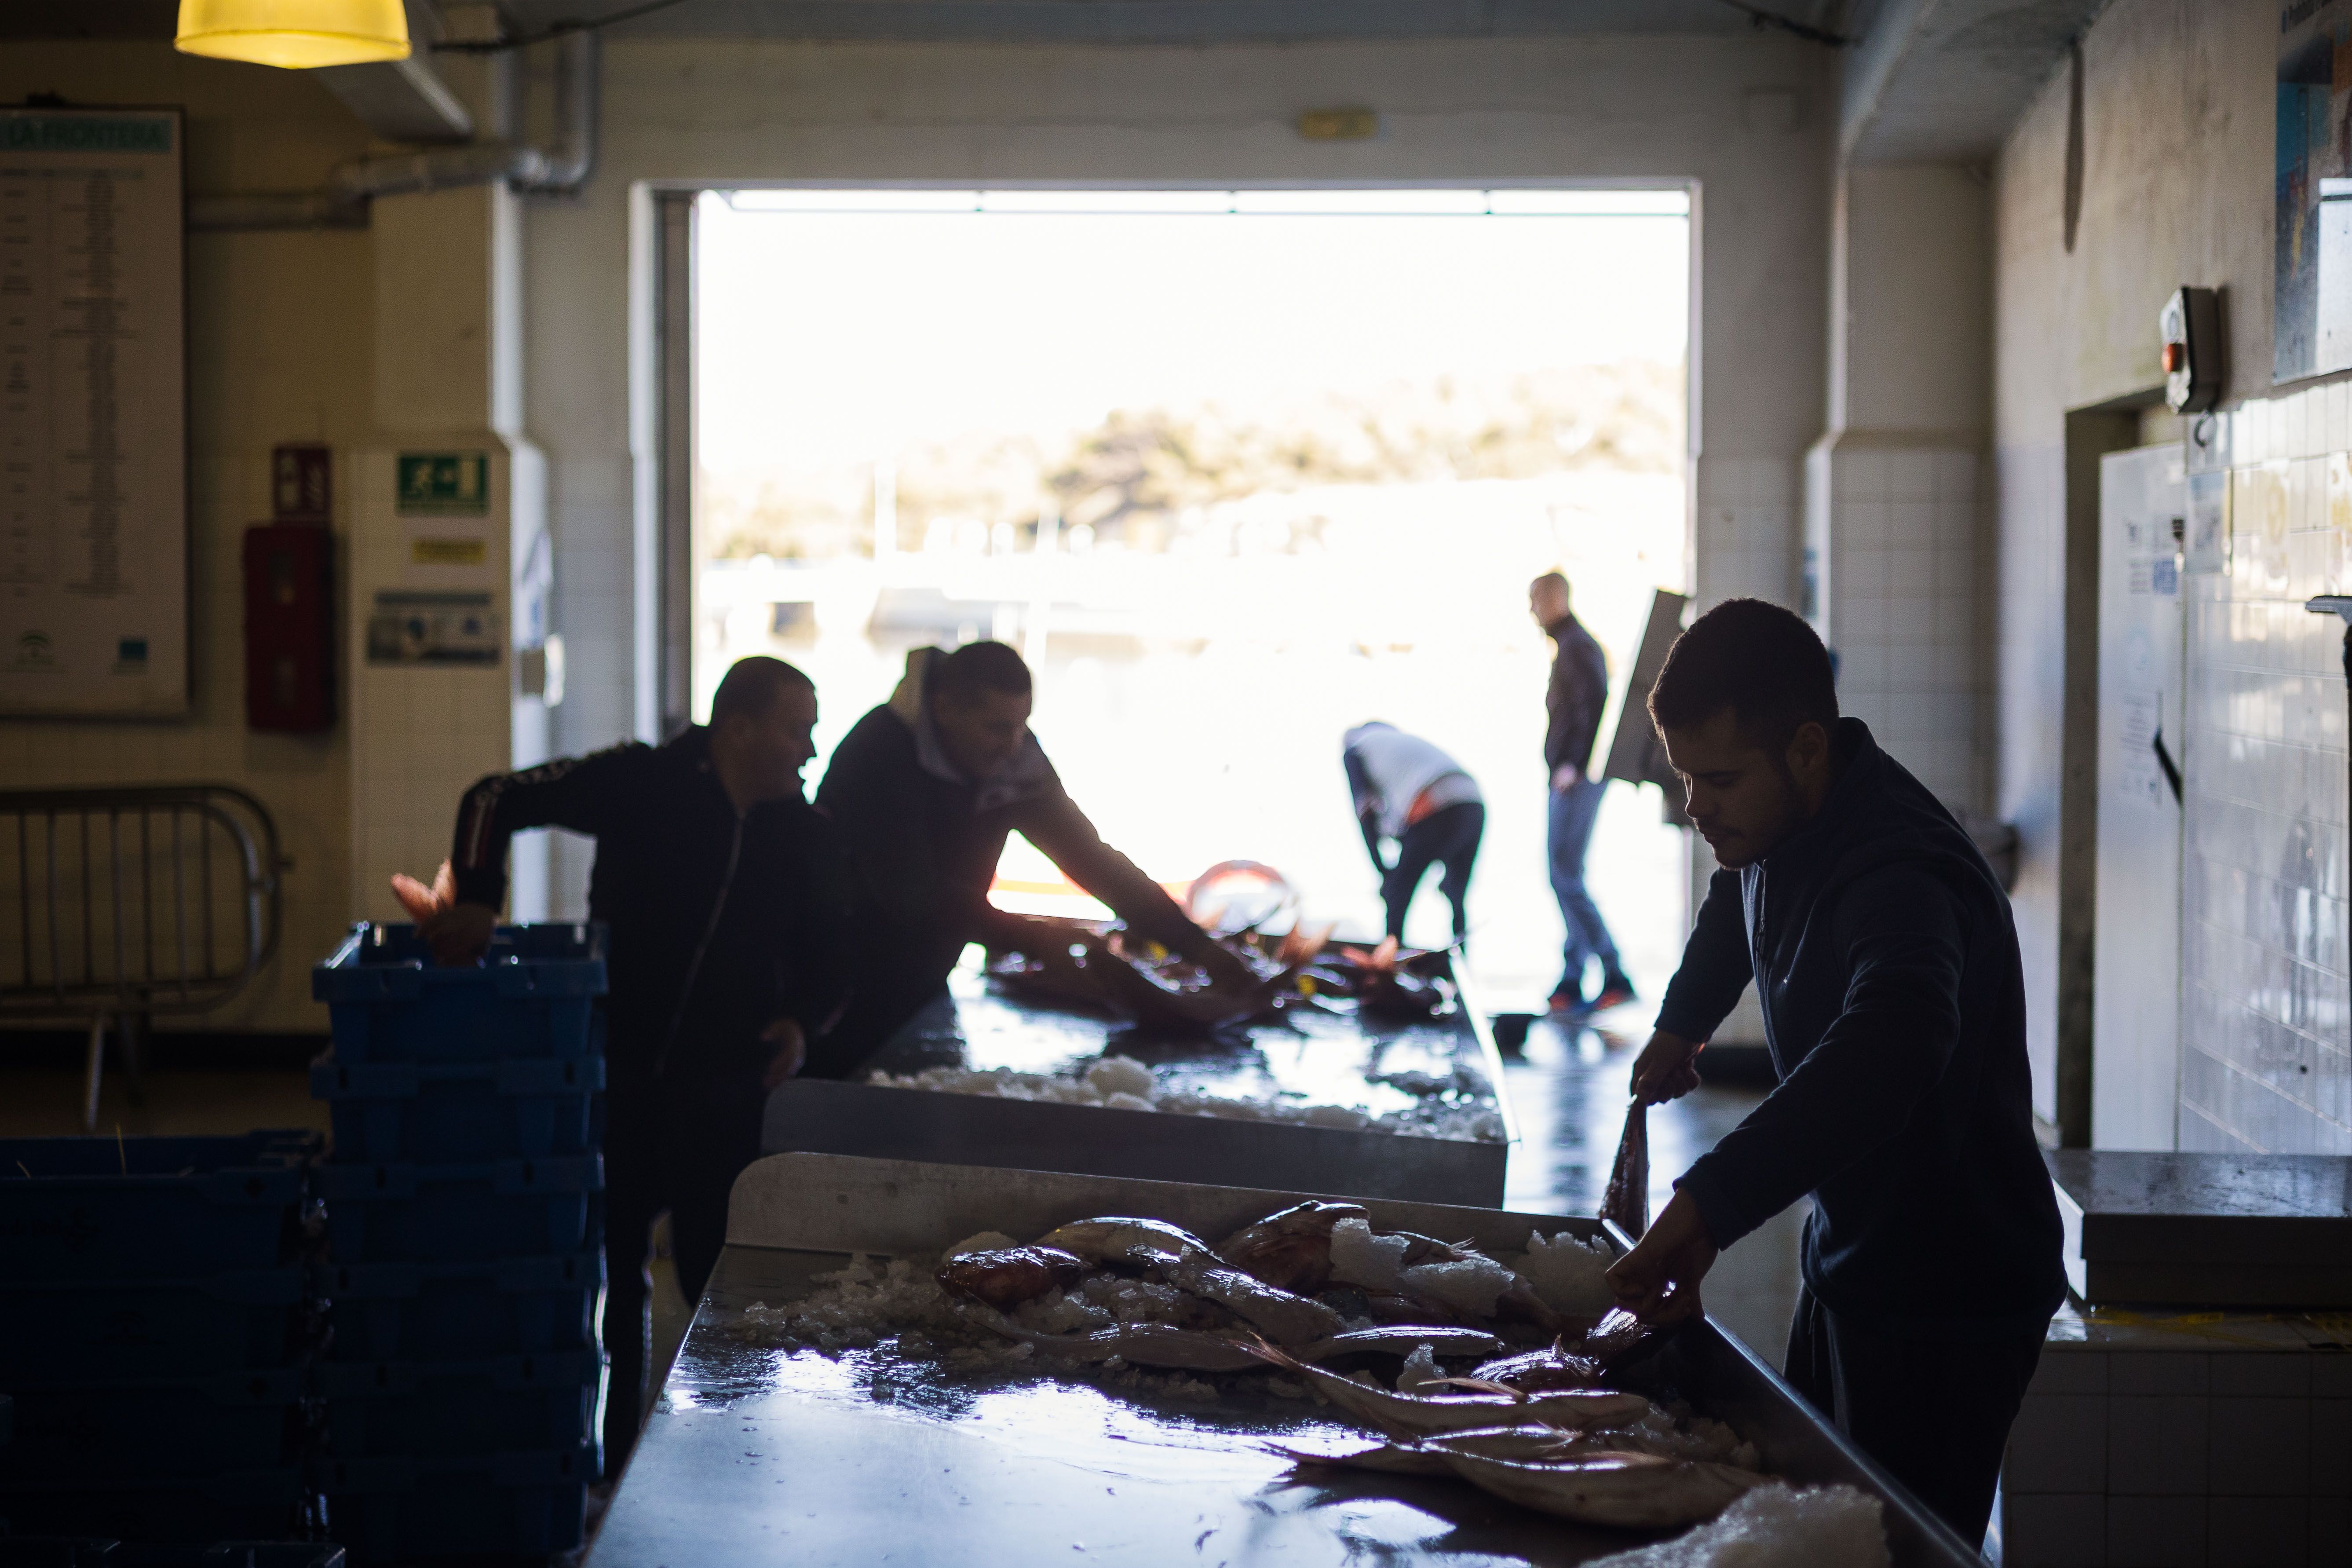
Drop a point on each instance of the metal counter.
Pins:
(760, 1456)
(1306, 1055)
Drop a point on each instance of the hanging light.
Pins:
(297, 33)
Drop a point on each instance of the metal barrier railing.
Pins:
(133, 901)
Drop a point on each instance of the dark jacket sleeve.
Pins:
(586, 795)
(1055, 823)
(874, 790)
(1578, 694)
(815, 941)
(1715, 965)
(1901, 934)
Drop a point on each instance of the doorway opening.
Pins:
(1235, 470)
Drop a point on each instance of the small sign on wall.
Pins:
(418, 627)
(443, 484)
(302, 483)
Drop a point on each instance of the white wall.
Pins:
(2178, 132)
(280, 348)
(717, 111)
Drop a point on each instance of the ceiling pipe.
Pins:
(343, 202)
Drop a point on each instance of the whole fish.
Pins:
(1626, 1199)
(1417, 1414)
(1555, 1367)
(1139, 1243)
(1630, 1491)
(1290, 1250)
(1289, 1319)
(1009, 1276)
(1401, 1339)
(1144, 1344)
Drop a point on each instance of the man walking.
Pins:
(1578, 692)
(1408, 790)
(1884, 951)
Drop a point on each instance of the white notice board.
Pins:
(93, 414)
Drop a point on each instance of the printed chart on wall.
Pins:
(93, 415)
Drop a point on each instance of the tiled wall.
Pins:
(2265, 963)
(596, 614)
(1895, 573)
(2175, 1459)
(1745, 546)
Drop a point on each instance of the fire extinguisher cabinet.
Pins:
(290, 627)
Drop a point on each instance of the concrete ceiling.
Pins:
(1042, 21)
(1173, 21)
(1941, 81)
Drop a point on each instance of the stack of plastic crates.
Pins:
(157, 1329)
(465, 1227)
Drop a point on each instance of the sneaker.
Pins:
(1567, 999)
(1615, 992)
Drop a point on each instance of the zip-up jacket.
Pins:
(720, 923)
(1884, 951)
(1578, 693)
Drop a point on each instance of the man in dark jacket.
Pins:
(1882, 947)
(726, 900)
(925, 789)
(1578, 692)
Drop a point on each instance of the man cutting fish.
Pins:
(725, 897)
(926, 788)
(1883, 948)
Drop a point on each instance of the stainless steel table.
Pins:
(1307, 1057)
(755, 1456)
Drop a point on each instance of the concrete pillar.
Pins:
(449, 500)
(1894, 563)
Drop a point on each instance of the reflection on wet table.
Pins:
(875, 1457)
(1305, 1057)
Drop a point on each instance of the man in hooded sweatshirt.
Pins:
(925, 789)
(1882, 947)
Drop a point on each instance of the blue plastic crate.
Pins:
(533, 995)
(391, 1510)
(449, 1311)
(504, 1404)
(497, 1208)
(256, 1505)
(129, 1208)
(435, 1113)
(84, 1551)
(74, 1331)
(188, 1428)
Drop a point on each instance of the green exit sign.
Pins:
(443, 484)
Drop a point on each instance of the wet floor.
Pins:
(1569, 1095)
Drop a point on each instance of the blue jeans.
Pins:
(1573, 811)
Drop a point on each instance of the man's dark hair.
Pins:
(978, 666)
(1755, 659)
(750, 687)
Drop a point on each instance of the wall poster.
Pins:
(93, 414)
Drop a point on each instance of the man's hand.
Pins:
(791, 1049)
(1227, 971)
(1568, 775)
(1658, 1280)
(459, 934)
(1668, 1068)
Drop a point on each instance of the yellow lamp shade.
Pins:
(297, 33)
